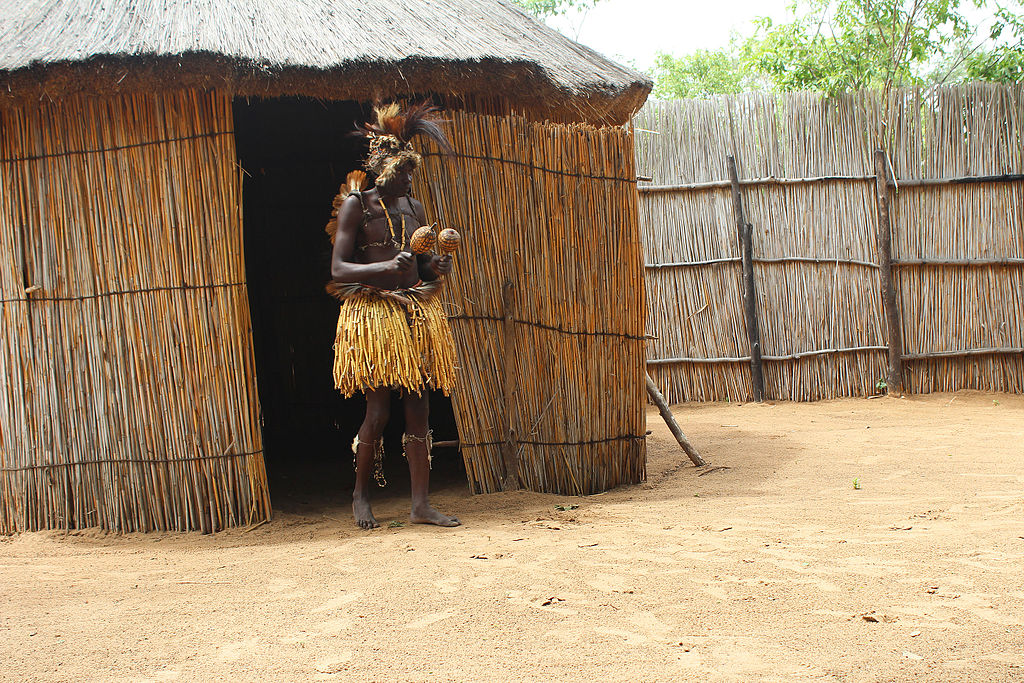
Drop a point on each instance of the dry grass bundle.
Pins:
(958, 249)
(547, 302)
(129, 400)
(384, 342)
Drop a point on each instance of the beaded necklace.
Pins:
(391, 226)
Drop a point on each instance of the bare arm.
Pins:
(430, 266)
(343, 268)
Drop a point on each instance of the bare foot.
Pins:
(426, 514)
(363, 513)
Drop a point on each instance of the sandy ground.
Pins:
(776, 569)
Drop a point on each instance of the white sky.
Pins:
(632, 31)
(635, 30)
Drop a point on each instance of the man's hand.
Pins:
(442, 265)
(402, 262)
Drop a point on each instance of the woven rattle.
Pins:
(448, 241)
(423, 240)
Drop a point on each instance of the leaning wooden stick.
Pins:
(666, 414)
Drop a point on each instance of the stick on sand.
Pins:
(666, 414)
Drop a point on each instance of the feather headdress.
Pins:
(390, 137)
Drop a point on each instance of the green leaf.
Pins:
(548, 8)
(837, 46)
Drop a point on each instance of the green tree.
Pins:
(836, 46)
(701, 74)
(1004, 60)
(547, 8)
(840, 45)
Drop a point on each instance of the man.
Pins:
(392, 332)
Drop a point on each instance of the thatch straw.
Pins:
(129, 400)
(383, 341)
(823, 333)
(547, 302)
(318, 48)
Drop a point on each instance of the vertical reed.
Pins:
(696, 311)
(831, 304)
(553, 209)
(974, 130)
(129, 402)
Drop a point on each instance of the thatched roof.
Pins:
(323, 48)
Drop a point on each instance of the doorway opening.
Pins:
(295, 153)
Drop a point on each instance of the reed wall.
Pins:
(808, 188)
(128, 398)
(546, 302)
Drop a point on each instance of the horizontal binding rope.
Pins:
(627, 437)
(130, 461)
(743, 359)
(780, 259)
(477, 157)
(960, 262)
(148, 143)
(960, 180)
(852, 262)
(553, 328)
(1011, 351)
(898, 183)
(725, 184)
(853, 349)
(124, 292)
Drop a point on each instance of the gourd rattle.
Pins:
(448, 241)
(423, 240)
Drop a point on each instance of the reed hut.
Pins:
(166, 171)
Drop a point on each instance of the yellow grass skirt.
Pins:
(392, 338)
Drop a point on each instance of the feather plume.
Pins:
(390, 120)
(420, 120)
(356, 181)
(417, 119)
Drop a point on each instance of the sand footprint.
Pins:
(338, 602)
(284, 589)
(448, 585)
(335, 626)
(336, 664)
(653, 627)
(984, 606)
(235, 651)
(611, 583)
(429, 620)
(629, 637)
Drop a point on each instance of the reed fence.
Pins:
(810, 186)
(128, 398)
(546, 302)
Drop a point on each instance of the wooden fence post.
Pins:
(746, 241)
(894, 380)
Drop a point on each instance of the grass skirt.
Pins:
(392, 338)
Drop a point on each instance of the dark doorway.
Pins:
(295, 153)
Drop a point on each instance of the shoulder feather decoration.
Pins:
(355, 182)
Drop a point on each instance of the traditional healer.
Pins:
(392, 332)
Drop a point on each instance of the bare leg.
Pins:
(378, 407)
(416, 419)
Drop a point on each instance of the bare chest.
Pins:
(382, 234)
